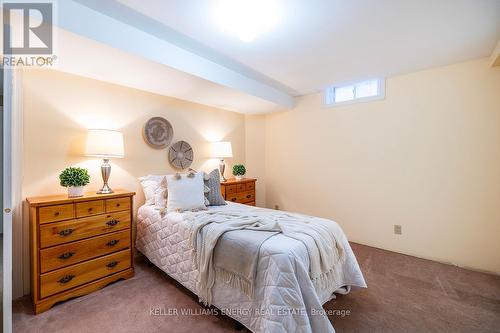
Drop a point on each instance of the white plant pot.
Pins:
(239, 177)
(75, 191)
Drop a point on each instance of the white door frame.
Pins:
(7, 201)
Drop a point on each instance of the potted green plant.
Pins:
(74, 179)
(239, 171)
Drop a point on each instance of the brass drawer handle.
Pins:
(66, 255)
(112, 242)
(66, 232)
(90, 209)
(56, 213)
(117, 205)
(66, 279)
(112, 264)
(112, 222)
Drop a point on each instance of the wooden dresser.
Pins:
(78, 245)
(241, 191)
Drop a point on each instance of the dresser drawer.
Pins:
(55, 213)
(242, 197)
(241, 187)
(75, 275)
(89, 208)
(246, 196)
(118, 204)
(68, 254)
(231, 189)
(68, 231)
(250, 186)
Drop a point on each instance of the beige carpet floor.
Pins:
(405, 294)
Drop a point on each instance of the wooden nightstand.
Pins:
(78, 245)
(241, 191)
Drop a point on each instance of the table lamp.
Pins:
(105, 144)
(222, 150)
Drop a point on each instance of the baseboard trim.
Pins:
(430, 259)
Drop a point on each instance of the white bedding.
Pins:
(284, 293)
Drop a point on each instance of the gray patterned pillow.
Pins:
(214, 196)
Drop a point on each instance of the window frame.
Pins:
(379, 96)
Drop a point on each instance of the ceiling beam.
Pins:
(90, 23)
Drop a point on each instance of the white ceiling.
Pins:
(320, 42)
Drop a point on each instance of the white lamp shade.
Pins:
(222, 149)
(104, 143)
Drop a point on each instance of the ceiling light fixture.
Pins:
(247, 19)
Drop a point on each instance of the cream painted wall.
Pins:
(427, 157)
(58, 108)
(255, 148)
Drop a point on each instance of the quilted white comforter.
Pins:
(284, 294)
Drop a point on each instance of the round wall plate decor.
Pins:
(158, 132)
(180, 155)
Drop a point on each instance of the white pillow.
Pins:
(161, 194)
(185, 193)
(150, 184)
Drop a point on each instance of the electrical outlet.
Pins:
(398, 230)
(276, 207)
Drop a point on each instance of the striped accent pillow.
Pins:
(214, 196)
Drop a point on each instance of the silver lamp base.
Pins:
(222, 167)
(105, 172)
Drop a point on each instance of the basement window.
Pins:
(363, 91)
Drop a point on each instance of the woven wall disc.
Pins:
(158, 132)
(180, 155)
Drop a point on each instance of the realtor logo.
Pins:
(27, 28)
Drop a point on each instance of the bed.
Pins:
(284, 294)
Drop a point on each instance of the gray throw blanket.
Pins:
(211, 246)
(236, 256)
